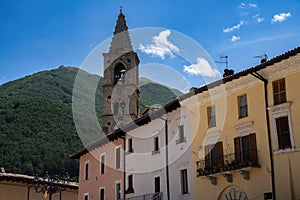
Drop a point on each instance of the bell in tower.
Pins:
(121, 80)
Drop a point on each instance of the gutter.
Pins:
(260, 77)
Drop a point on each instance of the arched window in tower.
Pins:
(119, 73)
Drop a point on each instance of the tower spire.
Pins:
(121, 40)
(121, 23)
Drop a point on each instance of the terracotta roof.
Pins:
(173, 105)
(22, 178)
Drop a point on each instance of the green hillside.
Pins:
(37, 131)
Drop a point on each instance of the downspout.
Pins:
(124, 167)
(260, 77)
(28, 193)
(167, 159)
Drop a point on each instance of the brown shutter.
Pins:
(219, 148)
(253, 148)
(237, 150)
(207, 160)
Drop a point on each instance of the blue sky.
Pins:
(44, 34)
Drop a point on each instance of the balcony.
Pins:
(238, 162)
(153, 196)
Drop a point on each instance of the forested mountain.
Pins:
(37, 131)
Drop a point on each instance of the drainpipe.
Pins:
(124, 167)
(260, 77)
(28, 193)
(167, 158)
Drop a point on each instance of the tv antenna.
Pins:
(263, 57)
(223, 62)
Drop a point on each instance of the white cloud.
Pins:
(161, 46)
(242, 5)
(258, 18)
(235, 38)
(233, 27)
(280, 17)
(202, 67)
(253, 5)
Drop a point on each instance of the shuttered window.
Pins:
(245, 149)
(214, 155)
(283, 133)
(279, 92)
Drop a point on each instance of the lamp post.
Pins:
(49, 185)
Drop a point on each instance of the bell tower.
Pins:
(121, 80)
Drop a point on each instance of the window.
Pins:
(86, 171)
(119, 75)
(102, 164)
(279, 92)
(118, 191)
(181, 137)
(130, 149)
(214, 155)
(101, 194)
(243, 106)
(283, 133)
(156, 146)
(184, 181)
(118, 157)
(157, 184)
(86, 196)
(130, 185)
(211, 116)
(245, 150)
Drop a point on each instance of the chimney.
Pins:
(228, 72)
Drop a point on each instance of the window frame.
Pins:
(86, 196)
(130, 145)
(102, 163)
(118, 158)
(102, 189)
(86, 175)
(181, 137)
(281, 94)
(211, 116)
(214, 155)
(156, 149)
(157, 188)
(184, 184)
(278, 111)
(120, 190)
(281, 144)
(243, 105)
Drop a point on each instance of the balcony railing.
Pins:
(226, 163)
(153, 196)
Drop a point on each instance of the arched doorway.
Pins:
(233, 193)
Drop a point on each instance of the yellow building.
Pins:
(21, 187)
(246, 133)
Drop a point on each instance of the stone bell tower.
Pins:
(121, 80)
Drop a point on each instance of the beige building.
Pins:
(21, 187)
(246, 133)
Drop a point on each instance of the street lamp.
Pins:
(50, 185)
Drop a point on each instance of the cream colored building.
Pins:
(246, 133)
(20, 187)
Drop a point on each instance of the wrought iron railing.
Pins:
(153, 196)
(229, 162)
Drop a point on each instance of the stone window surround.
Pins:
(282, 110)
